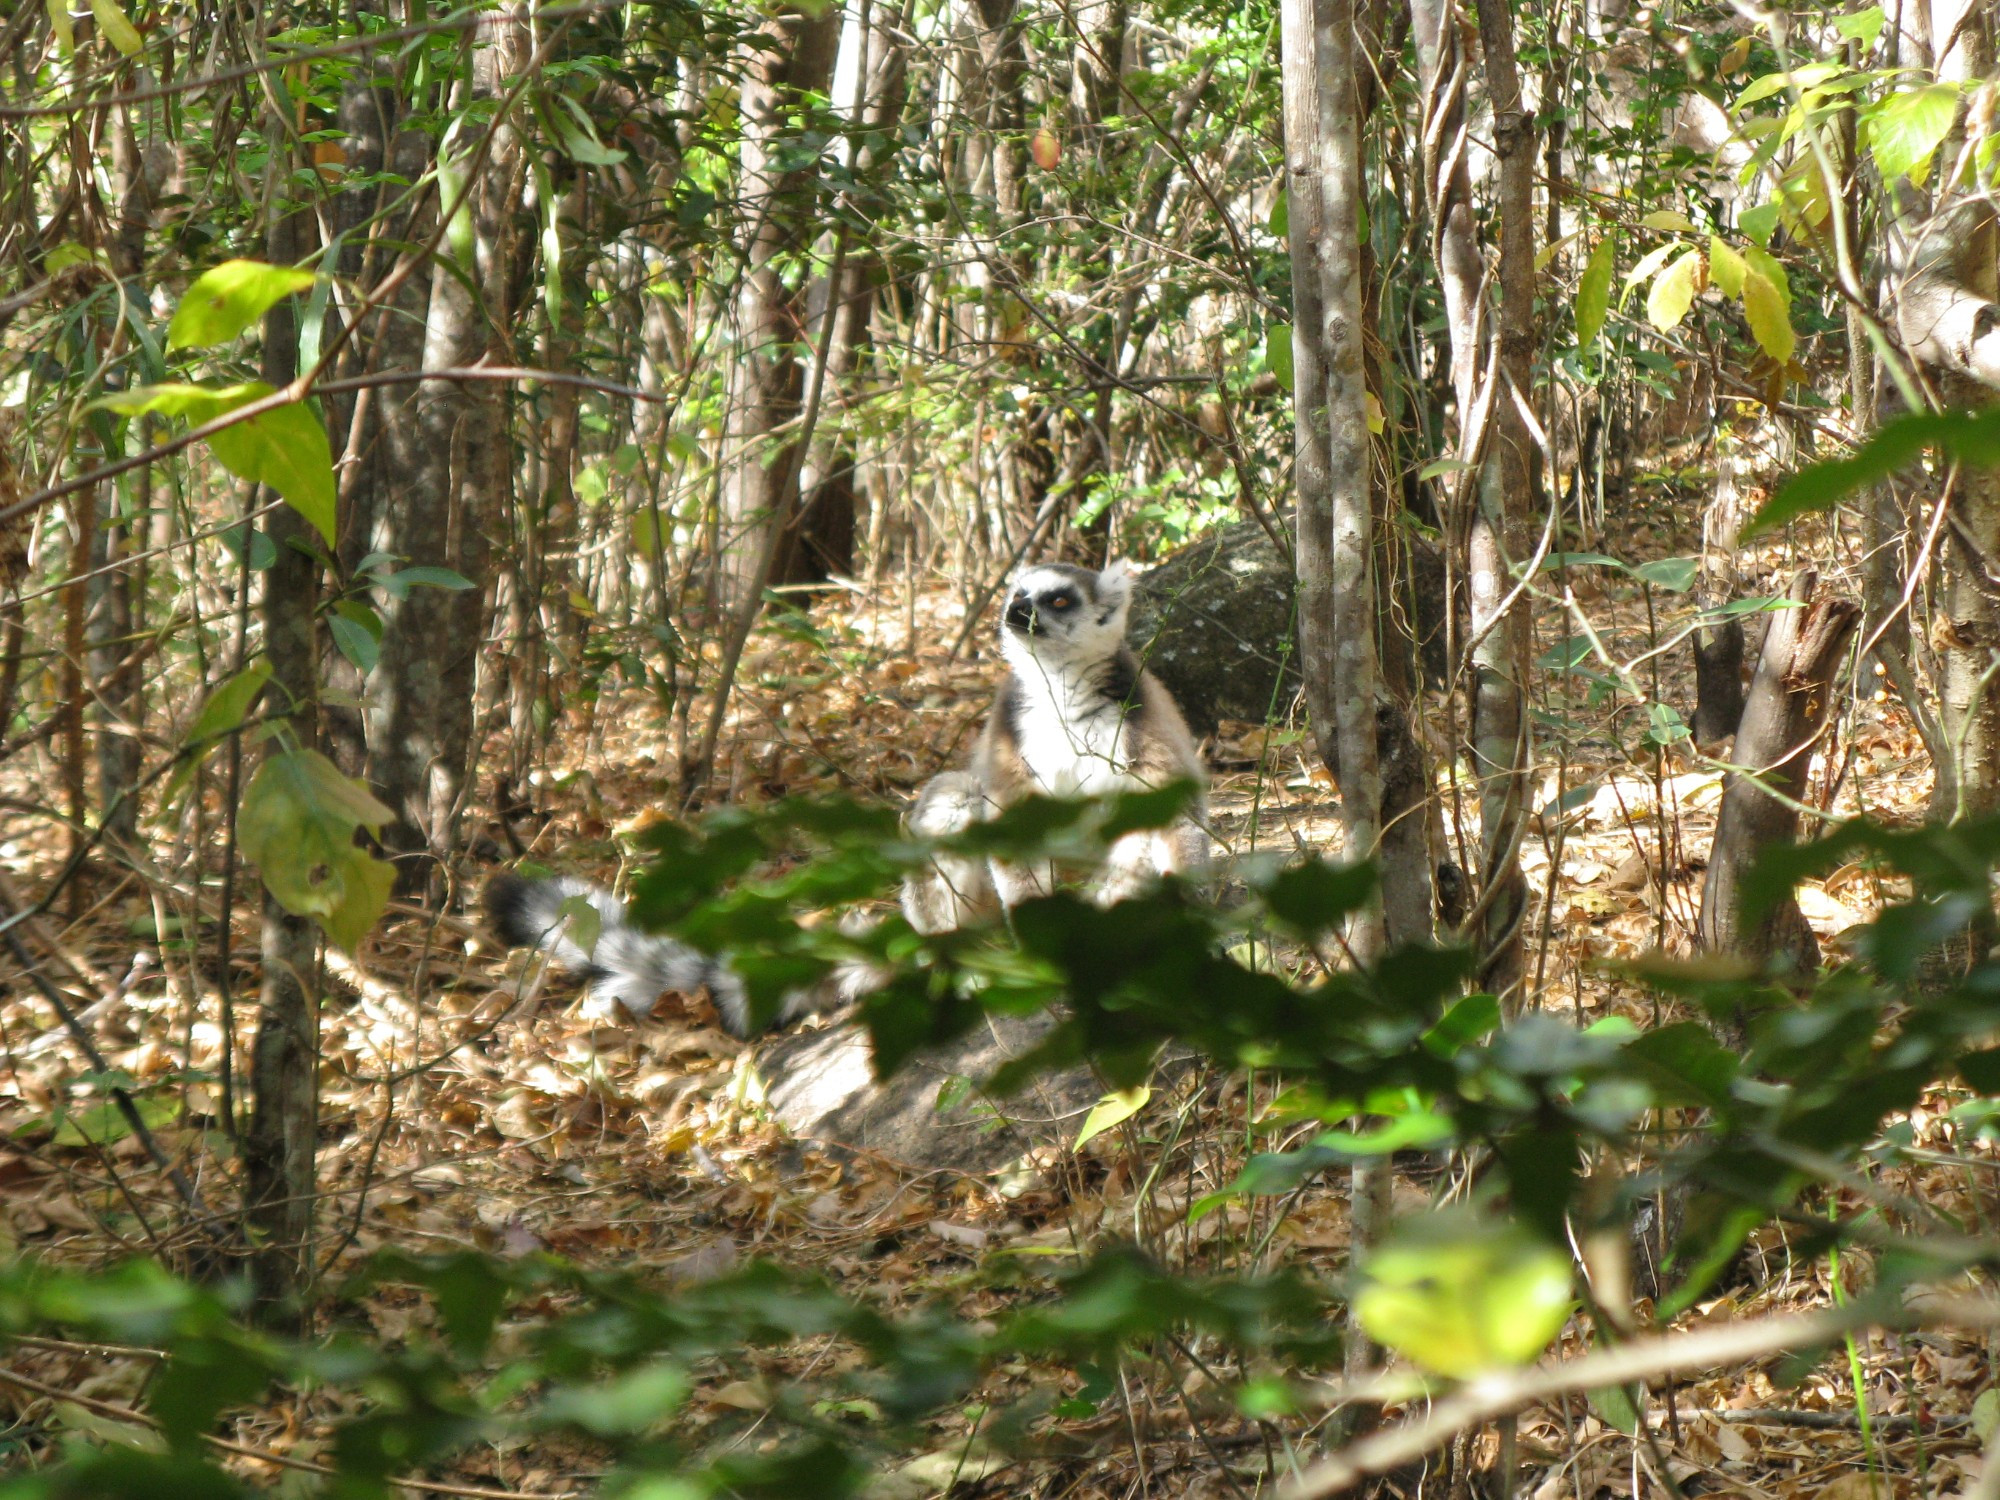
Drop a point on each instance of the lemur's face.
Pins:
(1059, 614)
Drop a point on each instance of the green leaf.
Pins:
(1675, 574)
(1614, 1404)
(577, 133)
(1593, 291)
(1672, 292)
(354, 642)
(1461, 1295)
(285, 447)
(117, 29)
(227, 705)
(297, 825)
(1669, 219)
(632, 1403)
(228, 299)
(1280, 222)
(1111, 1110)
(582, 922)
(63, 27)
(102, 1122)
(1775, 83)
(1903, 130)
(1759, 222)
(1863, 26)
(1973, 437)
(399, 583)
(1767, 303)
(1278, 352)
(1725, 267)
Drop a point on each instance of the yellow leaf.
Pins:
(1734, 59)
(1673, 291)
(1111, 1109)
(120, 32)
(1725, 268)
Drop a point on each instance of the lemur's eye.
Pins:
(1061, 601)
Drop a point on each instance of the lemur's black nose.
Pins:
(1021, 614)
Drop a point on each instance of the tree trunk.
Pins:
(280, 1139)
(375, 432)
(1789, 704)
(1718, 645)
(1508, 482)
(421, 740)
(779, 210)
(829, 500)
(1335, 546)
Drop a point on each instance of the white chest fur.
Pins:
(1072, 739)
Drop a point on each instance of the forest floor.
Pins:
(644, 1147)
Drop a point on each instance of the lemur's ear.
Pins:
(1114, 584)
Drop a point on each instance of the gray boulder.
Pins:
(1214, 622)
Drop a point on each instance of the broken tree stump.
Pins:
(1789, 704)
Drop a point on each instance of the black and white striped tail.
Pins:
(624, 965)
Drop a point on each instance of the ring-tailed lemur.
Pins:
(1077, 716)
(631, 968)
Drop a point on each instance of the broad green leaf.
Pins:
(1676, 574)
(1725, 267)
(1614, 1403)
(117, 29)
(1462, 1296)
(582, 922)
(62, 25)
(227, 705)
(1973, 437)
(633, 1402)
(1863, 26)
(285, 447)
(1557, 560)
(228, 299)
(1759, 222)
(1593, 291)
(1902, 131)
(1668, 218)
(354, 641)
(297, 825)
(1278, 352)
(1111, 1110)
(1767, 303)
(102, 1122)
(1280, 221)
(1672, 292)
(1810, 76)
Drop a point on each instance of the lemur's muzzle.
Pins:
(1021, 616)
